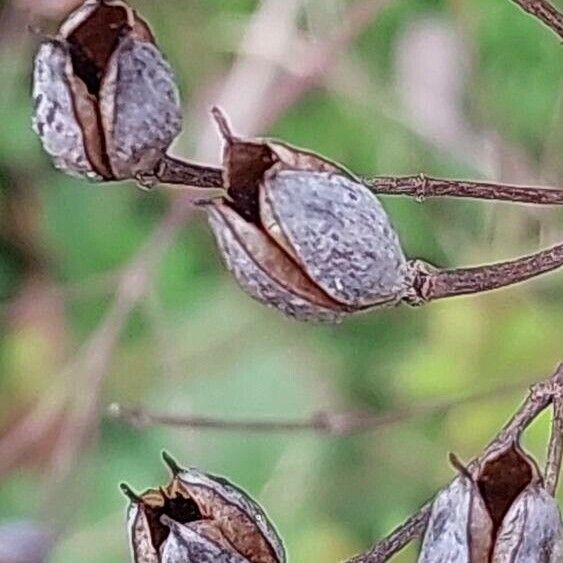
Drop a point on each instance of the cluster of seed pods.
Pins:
(498, 513)
(300, 234)
(199, 518)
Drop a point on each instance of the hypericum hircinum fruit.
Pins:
(106, 102)
(498, 513)
(302, 234)
(200, 518)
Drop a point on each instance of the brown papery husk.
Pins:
(93, 32)
(236, 526)
(88, 116)
(502, 476)
(246, 161)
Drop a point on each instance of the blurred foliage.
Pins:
(200, 345)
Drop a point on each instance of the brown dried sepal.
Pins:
(247, 161)
(501, 477)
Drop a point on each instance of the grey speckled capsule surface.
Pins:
(256, 281)
(186, 545)
(140, 107)
(531, 531)
(54, 118)
(448, 535)
(340, 235)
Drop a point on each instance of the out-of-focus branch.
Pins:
(422, 187)
(88, 370)
(430, 284)
(545, 12)
(325, 422)
(540, 397)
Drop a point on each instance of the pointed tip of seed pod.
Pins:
(130, 493)
(171, 463)
(459, 466)
(223, 124)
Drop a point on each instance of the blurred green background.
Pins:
(459, 88)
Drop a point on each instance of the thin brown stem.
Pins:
(422, 187)
(175, 171)
(545, 12)
(555, 449)
(429, 284)
(540, 397)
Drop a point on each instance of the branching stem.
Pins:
(422, 187)
(429, 283)
(540, 397)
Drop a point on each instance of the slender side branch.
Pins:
(429, 283)
(326, 423)
(555, 450)
(421, 187)
(545, 12)
(540, 397)
(176, 171)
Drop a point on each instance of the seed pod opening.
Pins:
(331, 230)
(199, 517)
(498, 513)
(108, 98)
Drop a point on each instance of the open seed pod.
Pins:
(200, 518)
(499, 513)
(106, 102)
(302, 234)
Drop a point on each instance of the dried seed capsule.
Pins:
(200, 518)
(531, 530)
(339, 234)
(106, 101)
(302, 234)
(500, 513)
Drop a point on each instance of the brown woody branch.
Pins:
(179, 172)
(545, 12)
(429, 283)
(422, 187)
(540, 397)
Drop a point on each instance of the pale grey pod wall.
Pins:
(140, 541)
(186, 545)
(340, 234)
(531, 531)
(54, 118)
(448, 535)
(140, 106)
(256, 282)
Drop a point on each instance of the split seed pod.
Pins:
(500, 513)
(199, 518)
(106, 102)
(302, 234)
